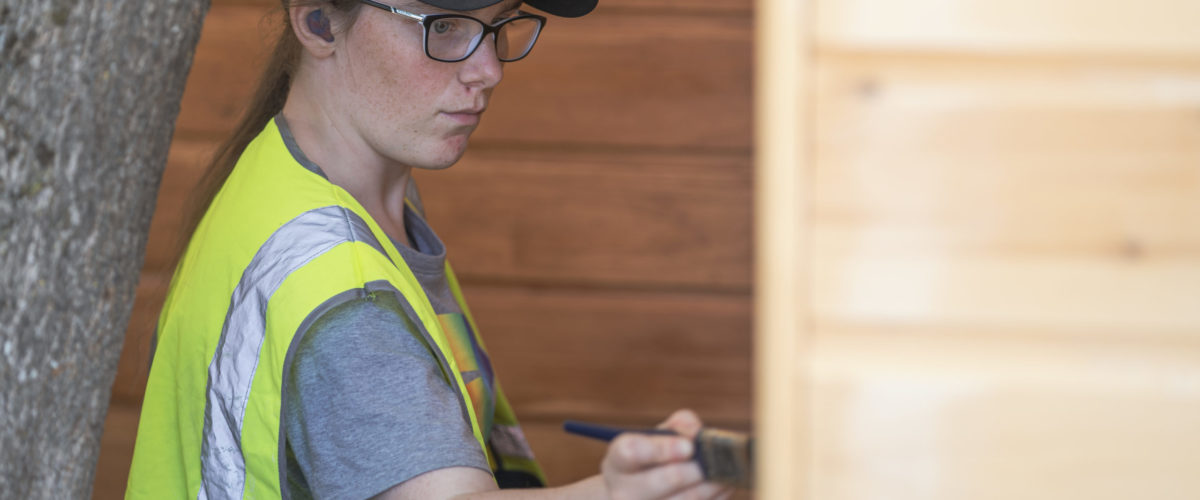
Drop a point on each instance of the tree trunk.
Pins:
(90, 95)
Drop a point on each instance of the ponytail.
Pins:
(268, 100)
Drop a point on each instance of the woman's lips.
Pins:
(465, 116)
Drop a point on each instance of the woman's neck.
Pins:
(349, 162)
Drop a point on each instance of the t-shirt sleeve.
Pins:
(366, 406)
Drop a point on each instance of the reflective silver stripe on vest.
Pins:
(296, 243)
(510, 441)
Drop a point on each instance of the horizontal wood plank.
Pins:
(984, 193)
(116, 451)
(134, 365)
(631, 80)
(628, 79)
(187, 162)
(1122, 27)
(1071, 295)
(617, 355)
(941, 415)
(627, 220)
(564, 458)
(234, 47)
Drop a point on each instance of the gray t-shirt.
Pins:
(366, 406)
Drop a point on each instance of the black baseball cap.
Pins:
(561, 8)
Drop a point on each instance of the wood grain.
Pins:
(186, 164)
(630, 80)
(233, 48)
(617, 355)
(783, 214)
(116, 451)
(939, 414)
(1153, 28)
(134, 365)
(953, 191)
(632, 220)
(1002, 232)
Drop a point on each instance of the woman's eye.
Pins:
(442, 26)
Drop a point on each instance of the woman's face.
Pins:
(406, 107)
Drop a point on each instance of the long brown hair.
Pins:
(269, 97)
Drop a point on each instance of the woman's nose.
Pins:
(483, 68)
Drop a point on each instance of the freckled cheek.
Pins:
(391, 99)
(401, 89)
(410, 87)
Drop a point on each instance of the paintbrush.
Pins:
(725, 457)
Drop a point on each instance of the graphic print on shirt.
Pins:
(475, 367)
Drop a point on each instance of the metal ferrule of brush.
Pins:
(726, 457)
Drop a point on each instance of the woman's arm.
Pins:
(636, 467)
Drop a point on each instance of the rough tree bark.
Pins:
(90, 95)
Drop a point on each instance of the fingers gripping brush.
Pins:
(725, 457)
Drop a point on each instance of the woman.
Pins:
(314, 343)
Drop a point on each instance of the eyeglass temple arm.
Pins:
(393, 10)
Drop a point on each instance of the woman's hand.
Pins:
(642, 466)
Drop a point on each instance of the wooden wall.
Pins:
(991, 288)
(600, 223)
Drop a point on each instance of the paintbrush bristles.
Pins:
(726, 457)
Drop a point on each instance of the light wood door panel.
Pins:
(1003, 414)
(981, 193)
(1154, 28)
(996, 258)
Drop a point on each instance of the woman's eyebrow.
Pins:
(416, 6)
(511, 8)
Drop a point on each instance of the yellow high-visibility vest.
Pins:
(278, 246)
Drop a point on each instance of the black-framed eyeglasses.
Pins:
(454, 37)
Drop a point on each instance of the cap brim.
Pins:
(564, 8)
(561, 8)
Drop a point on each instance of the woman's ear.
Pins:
(313, 28)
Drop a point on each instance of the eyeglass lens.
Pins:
(455, 38)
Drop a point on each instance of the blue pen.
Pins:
(605, 433)
(723, 456)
